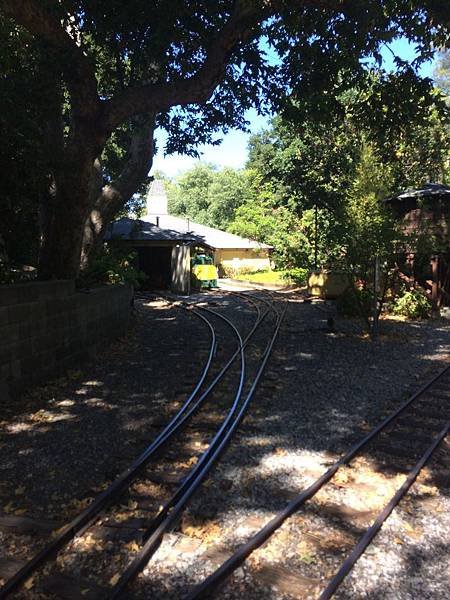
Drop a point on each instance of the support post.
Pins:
(435, 287)
(315, 236)
(181, 269)
(376, 291)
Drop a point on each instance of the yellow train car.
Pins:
(204, 273)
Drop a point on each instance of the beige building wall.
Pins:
(237, 258)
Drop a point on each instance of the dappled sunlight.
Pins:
(302, 418)
(100, 403)
(94, 383)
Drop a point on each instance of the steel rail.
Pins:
(188, 306)
(372, 531)
(153, 542)
(92, 512)
(210, 583)
(193, 474)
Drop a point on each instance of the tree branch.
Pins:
(115, 195)
(78, 69)
(241, 26)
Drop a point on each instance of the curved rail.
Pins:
(173, 508)
(206, 587)
(92, 512)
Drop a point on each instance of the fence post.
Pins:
(435, 287)
(376, 291)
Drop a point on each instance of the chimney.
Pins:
(156, 199)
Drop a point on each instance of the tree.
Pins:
(263, 219)
(24, 103)
(442, 72)
(188, 196)
(308, 163)
(207, 195)
(188, 66)
(319, 168)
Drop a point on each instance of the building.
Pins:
(164, 244)
(424, 210)
(228, 250)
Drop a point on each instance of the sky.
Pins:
(232, 152)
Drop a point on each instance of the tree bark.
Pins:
(60, 250)
(115, 195)
(93, 119)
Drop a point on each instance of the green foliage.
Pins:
(264, 219)
(369, 228)
(296, 274)
(413, 304)
(307, 163)
(370, 232)
(237, 272)
(26, 98)
(207, 195)
(170, 52)
(442, 72)
(113, 265)
(355, 302)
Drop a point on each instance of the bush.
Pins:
(354, 302)
(297, 274)
(229, 271)
(113, 265)
(413, 304)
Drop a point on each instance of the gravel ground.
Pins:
(322, 391)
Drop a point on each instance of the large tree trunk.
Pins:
(115, 195)
(66, 210)
(64, 218)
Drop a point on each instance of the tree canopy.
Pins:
(208, 195)
(115, 72)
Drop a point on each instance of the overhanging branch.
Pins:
(242, 25)
(78, 69)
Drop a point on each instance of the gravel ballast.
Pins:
(322, 391)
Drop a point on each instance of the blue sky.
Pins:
(232, 152)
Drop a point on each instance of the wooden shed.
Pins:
(425, 210)
(164, 255)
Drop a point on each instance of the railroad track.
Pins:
(401, 445)
(230, 405)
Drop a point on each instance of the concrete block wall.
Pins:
(48, 327)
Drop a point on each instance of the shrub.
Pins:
(113, 265)
(413, 304)
(354, 302)
(297, 274)
(229, 271)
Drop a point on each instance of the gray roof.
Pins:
(428, 189)
(139, 230)
(214, 238)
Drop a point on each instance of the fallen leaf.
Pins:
(29, 583)
(114, 579)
